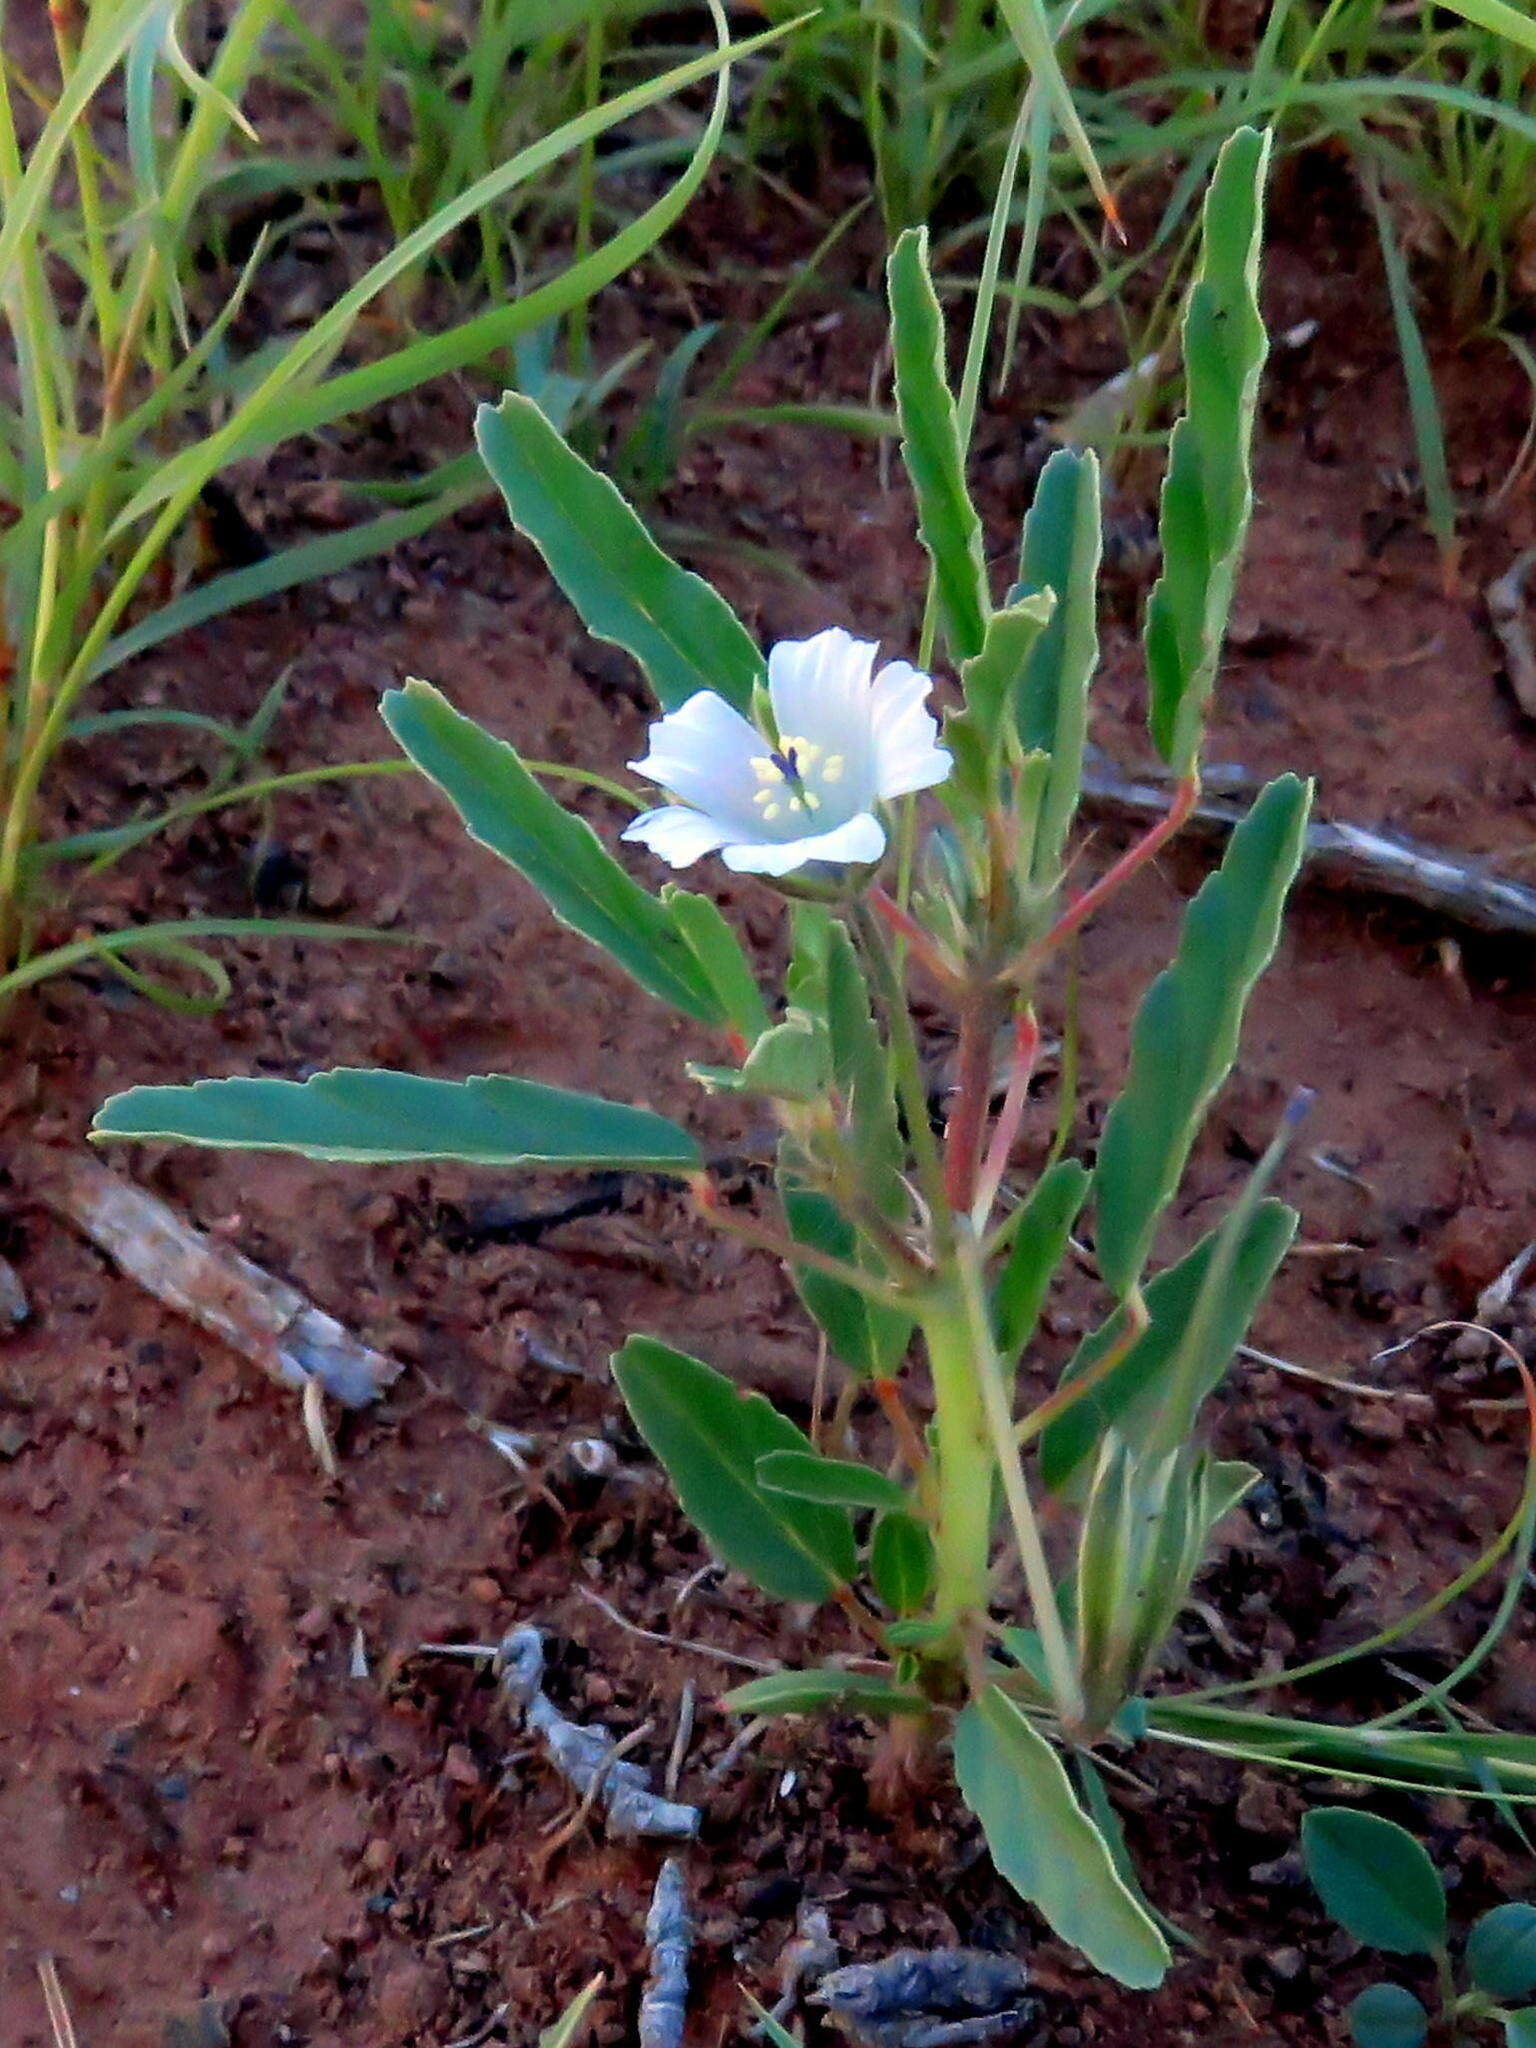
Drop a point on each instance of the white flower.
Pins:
(848, 739)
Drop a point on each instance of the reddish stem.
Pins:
(1185, 797)
(1026, 1045)
(907, 928)
(973, 1092)
(908, 1437)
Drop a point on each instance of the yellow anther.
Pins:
(832, 768)
(765, 768)
(770, 812)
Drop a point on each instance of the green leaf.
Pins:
(1387, 2016)
(1501, 1951)
(930, 442)
(719, 953)
(1501, 18)
(1060, 553)
(1039, 1239)
(1520, 2028)
(1476, 1761)
(1375, 1879)
(917, 1633)
(1185, 1036)
(773, 2030)
(805, 979)
(295, 398)
(504, 808)
(991, 680)
(792, 1060)
(901, 1562)
(371, 1115)
(867, 1336)
(862, 1075)
(1207, 494)
(684, 636)
(1418, 374)
(839, 1481)
(709, 1435)
(1107, 1821)
(1046, 1846)
(1034, 32)
(567, 2030)
(1129, 1396)
(806, 1692)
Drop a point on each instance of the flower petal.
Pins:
(861, 838)
(703, 753)
(819, 689)
(678, 835)
(905, 732)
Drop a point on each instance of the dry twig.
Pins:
(587, 1758)
(1505, 598)
(1348, 856)
(53, 1997)
(669, 1937)
(260, 1316)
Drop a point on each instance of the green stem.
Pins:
(987, 1372)
(962, 1532)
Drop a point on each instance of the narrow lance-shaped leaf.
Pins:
(289, 402)
(862, 1073)
(506, 809)
(1128, 1399)
(1046, 1846)
(1207, 1341)
(839, 1481)
(1207, 494)
(866, 1335)
(1039, 1241)
(1512, 23)
(371, 1115)
(806, 1692)
(991, 681)
(1060, 552)
(1474, 1761)
(1031, 28)
(709, 1435)
(682, 633)
(1185, 1036)
(930, 439)
(719, 953)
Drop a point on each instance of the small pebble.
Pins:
(1379, 1422)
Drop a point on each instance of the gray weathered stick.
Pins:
(585, 1757)
(1505, 598)
(1349, 856)
(260, 1316)
(669, 1937)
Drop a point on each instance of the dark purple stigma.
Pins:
(786, 764)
